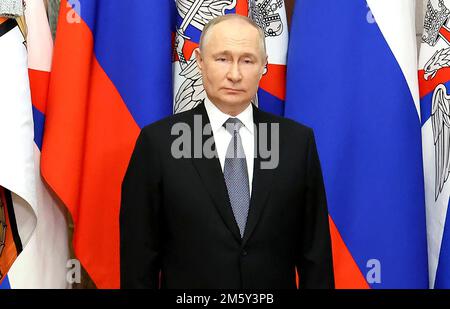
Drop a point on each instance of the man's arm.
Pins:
(315, 263)
(139, 218)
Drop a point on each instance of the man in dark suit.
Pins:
(200, 210)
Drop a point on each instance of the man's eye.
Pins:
(221, 59)
(248, 61)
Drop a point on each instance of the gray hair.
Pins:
(222, 18)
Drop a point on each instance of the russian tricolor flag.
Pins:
(352, 78)
(111, 75)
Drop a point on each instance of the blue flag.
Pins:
(352, 77)
(112, 70)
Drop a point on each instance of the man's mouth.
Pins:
(233, 90)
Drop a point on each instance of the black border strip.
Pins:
(12, 221)
(7, 26)
(281, 298)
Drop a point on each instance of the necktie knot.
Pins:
(232, 125)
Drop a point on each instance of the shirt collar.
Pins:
(217, 118)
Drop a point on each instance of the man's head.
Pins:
(232, 58)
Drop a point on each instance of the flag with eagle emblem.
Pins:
(434, 82)
(193, 15)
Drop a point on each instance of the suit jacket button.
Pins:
(244, 253)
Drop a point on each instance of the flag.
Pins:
(193, 15)
(352, 77)
(47, 253)
(111, 75)
(18, 196)
(434, 79)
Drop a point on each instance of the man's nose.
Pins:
(234, 73)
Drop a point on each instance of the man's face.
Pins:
(232, 64)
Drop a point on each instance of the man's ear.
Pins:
(264, 68)
(198, 58)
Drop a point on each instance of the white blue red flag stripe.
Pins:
(352, 78)
(111, 75)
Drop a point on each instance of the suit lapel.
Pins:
(211, 175)
(262, 180)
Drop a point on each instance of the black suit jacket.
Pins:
(176, 219)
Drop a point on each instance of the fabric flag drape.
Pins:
(17, 166)
(434, 80)
(111, 75)
(193, 15)
(47, 253)
(352, 77)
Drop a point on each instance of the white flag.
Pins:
(434, 82)
(42, 263)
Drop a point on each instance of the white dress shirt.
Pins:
(222, 137)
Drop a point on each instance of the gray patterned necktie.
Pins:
(236, 174)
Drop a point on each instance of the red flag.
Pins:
(103, 89)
